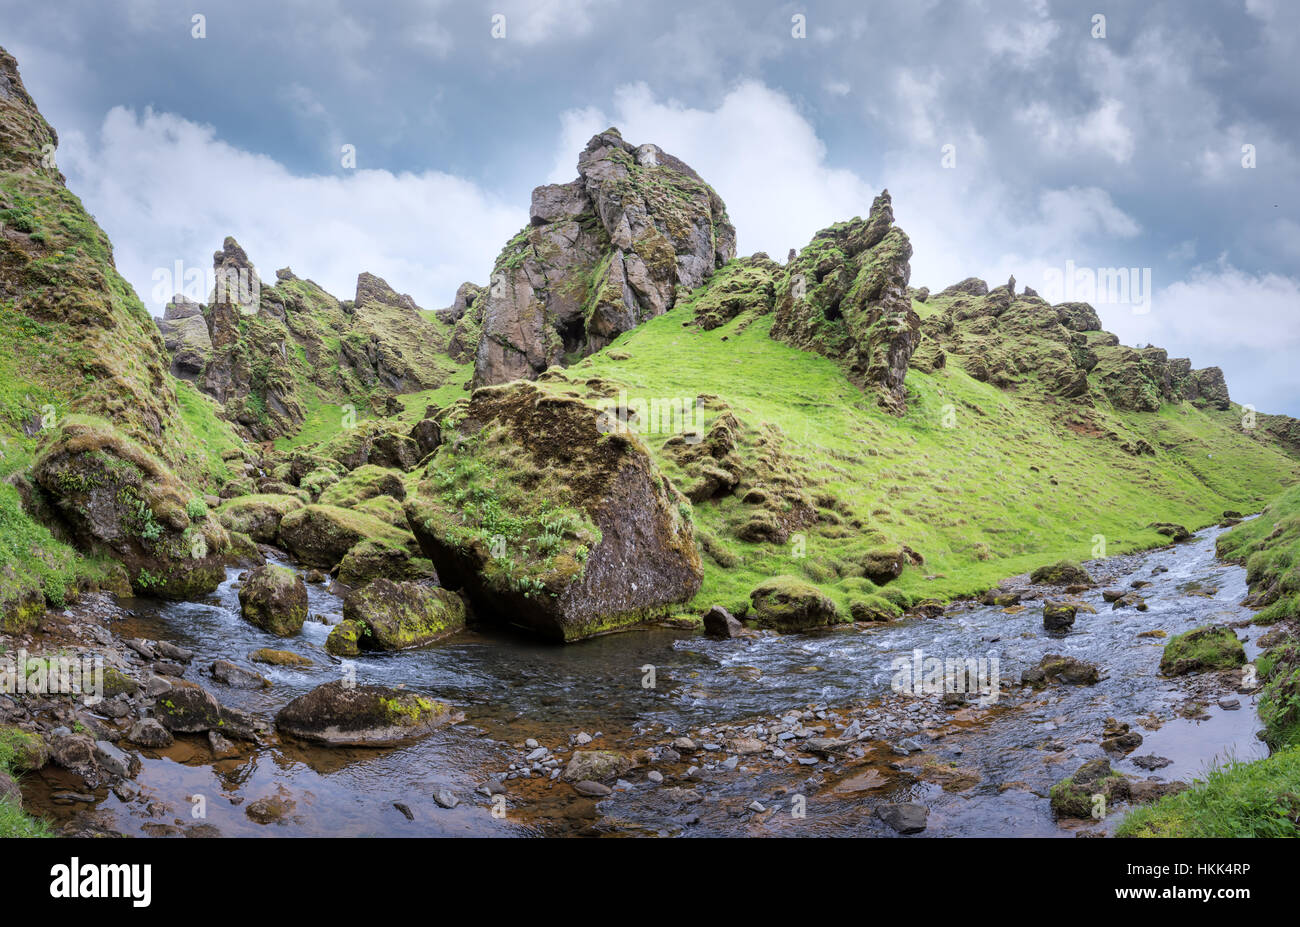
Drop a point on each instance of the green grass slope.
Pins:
(982, 482)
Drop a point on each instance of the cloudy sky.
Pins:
(1017, 137)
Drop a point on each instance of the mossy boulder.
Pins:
(344, 639)
(374, 442)
(274, 598)
(279, 657)
(400, 616)
(375, 559)
(320, 535)
(1210, 647)
(363, 483)
(546, 515)
(1090, 792)
(883, 566)
(337, 714)
(1059, 616)
(874, 608)
(784, 603)
(595, 765)
(1055, 667)
(20, 750)
(258, 516)
(1061, 573)
(114, 498)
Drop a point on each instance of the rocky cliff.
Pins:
(601, 255)
(266, 354)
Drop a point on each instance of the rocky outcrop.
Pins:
(784, 603)
(601, 255)
(845, 297)
(186, 337)
(543, 514)
(111, 497)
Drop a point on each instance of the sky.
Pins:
(1157, 147)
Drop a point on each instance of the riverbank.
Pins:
(761, 734)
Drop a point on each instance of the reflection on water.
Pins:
(513, 688)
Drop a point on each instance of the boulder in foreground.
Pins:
(544, 514)
(339, 715)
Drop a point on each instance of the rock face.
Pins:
(274, 598)
(601, 255)
(544, 516)
(845, 297)
(253, 347)
(111, 497)
(339, 715)
(400, 616)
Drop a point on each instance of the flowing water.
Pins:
(980, 771)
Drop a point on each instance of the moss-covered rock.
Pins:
(784, 603)
(338, 714)
(279, 657)
(401, 616)
(845, 297)
(274, 598)
(375, 559)
(344, 639)
(545, 517)
(258, 516)
(320, 535)
(1090, 792)
(874, 608)
(1062, 573)
(363, 483)
(1210, 647)
(114, 498)
(20, 750)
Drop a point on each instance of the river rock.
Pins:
(1058, 616)
(339, 715)
(785, 603)
(618, 550)
(1057, 667)
(237, 677)
(597, 764)
(147, 732)
(279, 657)
(400, 616)
(1075, 796)
(188, 708)
(274, 598)
(720, 623)
(904, 817)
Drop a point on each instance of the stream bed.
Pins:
(980, 769)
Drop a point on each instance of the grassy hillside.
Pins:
(981, 481)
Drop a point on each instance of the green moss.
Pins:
(1208, 647)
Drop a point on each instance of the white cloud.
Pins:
(166, 189)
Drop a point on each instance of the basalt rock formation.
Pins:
(845, 296)
(266, 352)
(601, 255)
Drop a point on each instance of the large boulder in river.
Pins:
(274, 598)
(546, 517)
(601, 255)
(113, 498)
(399, 616)
(341, 715)
(784, 603)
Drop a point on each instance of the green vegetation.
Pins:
(1260, 799)
(1014, 481)
(1269, 546)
